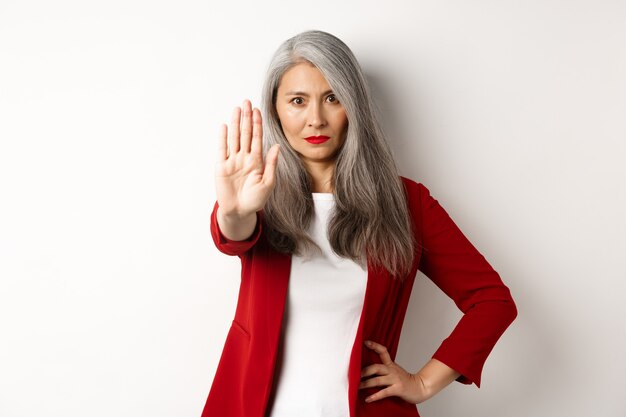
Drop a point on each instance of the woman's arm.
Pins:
(454, 264)
(235, 228)
(243, 182)
(234, 247)
(435, 376)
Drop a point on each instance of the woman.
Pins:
(330, 239)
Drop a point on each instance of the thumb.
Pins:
(270, 165)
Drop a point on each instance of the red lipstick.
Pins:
(317, 139)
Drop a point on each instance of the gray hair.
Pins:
(370, 216)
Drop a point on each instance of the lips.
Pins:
(317, 139)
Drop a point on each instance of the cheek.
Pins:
(342, 121)
(291, 122)
(282, 118)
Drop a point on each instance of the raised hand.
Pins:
(242, 181)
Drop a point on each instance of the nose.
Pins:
(315, 116)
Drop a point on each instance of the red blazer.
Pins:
(243, 380)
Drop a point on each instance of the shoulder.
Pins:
(415, 191)
(420, 201)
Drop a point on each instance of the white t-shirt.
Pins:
(324, 305)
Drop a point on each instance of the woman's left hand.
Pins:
(398, 382)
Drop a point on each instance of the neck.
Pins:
(321, 177)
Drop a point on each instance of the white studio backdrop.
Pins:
(113, 298)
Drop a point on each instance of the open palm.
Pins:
(242, 181)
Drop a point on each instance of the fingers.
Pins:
(383, 393)
(246, 126)
(257, 132)
(377, 382)
(381, 350)
(233, 133)
(222, 147)
(246, 130)
(386, 379)
(377, 368)
(397, 381)
(269, 173)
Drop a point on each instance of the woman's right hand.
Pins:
(242, 181)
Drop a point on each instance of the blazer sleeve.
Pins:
(461, 272)
(234, 247)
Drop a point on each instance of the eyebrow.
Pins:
(302, 93)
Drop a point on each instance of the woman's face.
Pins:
(306, 107)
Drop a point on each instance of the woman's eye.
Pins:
(300, 100)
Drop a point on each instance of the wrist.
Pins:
(435, 376)
(233, 216)
(234, 227)
(424, 385)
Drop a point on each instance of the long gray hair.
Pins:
(370, 216)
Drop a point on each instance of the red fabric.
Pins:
(243, 380)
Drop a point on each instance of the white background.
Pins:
(113, 298)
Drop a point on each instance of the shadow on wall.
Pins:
(536, 366)
(534, 377)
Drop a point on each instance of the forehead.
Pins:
(302, 77)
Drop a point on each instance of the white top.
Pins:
(324, 305)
